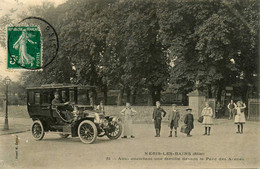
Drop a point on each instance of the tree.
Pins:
(203, 38)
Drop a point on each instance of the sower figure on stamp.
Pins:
(174, 117)
(128, 114)
(188, 120)
(158, 114)
(20, 44)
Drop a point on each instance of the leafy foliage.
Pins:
(138, 46)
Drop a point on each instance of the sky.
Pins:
(17, 6)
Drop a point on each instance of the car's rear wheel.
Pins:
(64, 135)
(87, 131)
(114, 131)
(37, 130)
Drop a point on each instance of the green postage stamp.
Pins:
(24, 50)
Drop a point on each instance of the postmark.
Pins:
(32, 44)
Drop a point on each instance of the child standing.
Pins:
(207, 114)
(173, 118)
(188, 120)
(157, 117)
(128, 114)
(240, 119)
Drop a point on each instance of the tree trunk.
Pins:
(151, 98)
(209, 91)
(133, 97)
(120, 97)
(128, 95)
(105, 94)
(158, 94)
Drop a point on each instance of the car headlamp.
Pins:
(104, 122)
(115, 119)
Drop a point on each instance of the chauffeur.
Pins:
(157, 117)
(63, 107)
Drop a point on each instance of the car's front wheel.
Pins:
(114, 131)
(37, 130)
(87, 131)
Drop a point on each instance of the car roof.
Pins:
(60, 86)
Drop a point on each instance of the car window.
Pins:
(72, 96)
(37, 98)
(45, 98)
(31, 97)
(83, 97)
(65, 95)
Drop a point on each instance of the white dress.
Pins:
(240, 116)
(128, 114)
(207, 114)
(25, 58)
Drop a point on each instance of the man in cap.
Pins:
(158, 114)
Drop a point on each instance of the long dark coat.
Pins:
(189, 121)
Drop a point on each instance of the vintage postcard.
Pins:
(129, 84)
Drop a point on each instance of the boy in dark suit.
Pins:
(174, 117)
(189, 121)
(158, 113)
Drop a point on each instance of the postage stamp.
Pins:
(24, 47)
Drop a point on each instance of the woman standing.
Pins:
(207, 114)
(240, 116)
(128, 114)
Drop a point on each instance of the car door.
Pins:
(46, 103)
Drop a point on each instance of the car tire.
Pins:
(37, 130)
(115, 134)
(87, 131)
(64, 135)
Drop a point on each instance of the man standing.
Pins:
(174, 117)
(158, 113)
(231, 107)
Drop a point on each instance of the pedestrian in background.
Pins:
(189, 120)
(128, 112)
(207, 122)
(231, 107)
(240, 119)
(173, 118)
(218, 110)
(158, 114)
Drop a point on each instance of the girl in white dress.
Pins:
(128, 114)
(207, 114)
(240, 119)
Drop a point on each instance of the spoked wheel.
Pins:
(114, 131)
(37, 130)
(87, 132)
(64, 135)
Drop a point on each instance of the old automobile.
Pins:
(86, 123)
